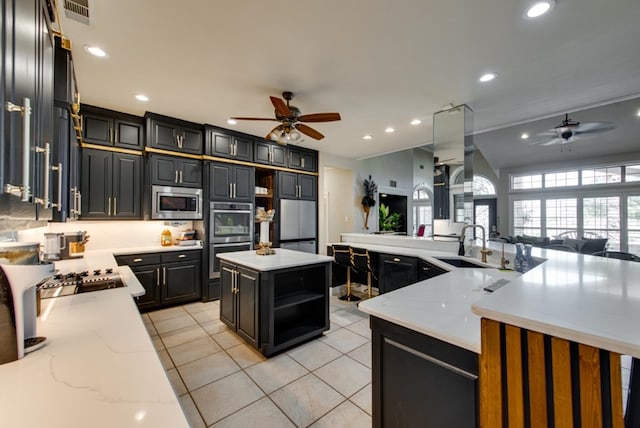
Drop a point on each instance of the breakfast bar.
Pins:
(544, 348)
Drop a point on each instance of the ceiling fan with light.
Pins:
(569, 131)
(291, 119)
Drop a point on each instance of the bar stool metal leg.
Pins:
(349, 297)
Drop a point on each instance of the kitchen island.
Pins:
(98, 368)
(581, 309)
(277, 301)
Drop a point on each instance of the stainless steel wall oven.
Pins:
(230, 229)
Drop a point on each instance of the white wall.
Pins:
(339, 212)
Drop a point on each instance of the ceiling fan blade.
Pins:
(309, 131)
(269, 136)
(252, 118)
(594, 127)
(554, 141)
(281, 106)
(320, 117)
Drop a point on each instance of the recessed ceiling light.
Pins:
(487, 77)
(539, 8)
(389, 130)
(96, 51)
(367, 137)
(638, 114)
(416, 122)
(524, 136)
(231, 122)
(142, 97)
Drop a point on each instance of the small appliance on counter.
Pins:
(75, 247)
(187, 238)
(63, 246)
(18, 300)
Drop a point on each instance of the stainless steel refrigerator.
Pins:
(298, 225)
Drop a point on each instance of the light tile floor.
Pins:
(223, 382)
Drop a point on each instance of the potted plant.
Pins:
(389, 222)
(368, 200)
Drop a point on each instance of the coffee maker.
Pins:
(18, 303)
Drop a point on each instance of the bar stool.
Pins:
(361, 261)
(342, 257)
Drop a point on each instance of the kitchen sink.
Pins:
(461, 263)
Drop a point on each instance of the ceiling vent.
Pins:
(77, 10)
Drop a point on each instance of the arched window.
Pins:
(482, 186)
(422, 211)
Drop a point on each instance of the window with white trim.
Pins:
(523, 182)
(631, 173)
(422, 211)
(561, 179)
(527, 217)
(602, 175)
(561, 216)
(601, 216)
(633, 224)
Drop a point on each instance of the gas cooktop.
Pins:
(65, 284)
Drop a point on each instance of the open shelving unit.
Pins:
(264, 178)
(300, 305)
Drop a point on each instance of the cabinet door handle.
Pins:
(235, 195)
(180, 174)
(233, 148)
(46, 158)
(231, 190)
(176, 179)
(158, 277)
(115, 206)
(182, 256)
(58, 169)
(395, 259)
(302, 162)
(424, 268)
(108, 206)
(164, 276)
(137, 260)
(25, 111)
(79, 195)
(74, 209)
(110, 135)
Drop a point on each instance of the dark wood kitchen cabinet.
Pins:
(396, 272)
(111, 185)
(297, 186)
(239, 300)
(174, 134)
(175, 171)
(268, 153)
(168, 278)
(427, 270)
(421, 381)
(274, 310)
(222, 143)
(27, 85)
(230, 182)
(112, 128)
(302, 159)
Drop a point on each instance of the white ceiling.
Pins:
(378, 62)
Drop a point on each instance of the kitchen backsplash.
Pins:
(110, 234)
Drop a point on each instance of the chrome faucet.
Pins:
(484, 250)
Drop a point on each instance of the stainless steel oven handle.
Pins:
(233, 211)
(238, 244)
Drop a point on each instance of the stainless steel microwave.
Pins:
(176, 203)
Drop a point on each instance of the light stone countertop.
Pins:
(282, 259)
(583, 298)
(98, 368)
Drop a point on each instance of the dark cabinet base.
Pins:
(420, 381)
